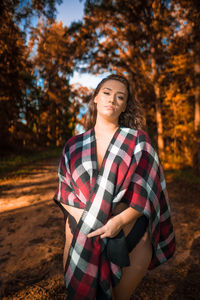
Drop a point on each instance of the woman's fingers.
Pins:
(104, 235)
(110, 229)
(99, 231)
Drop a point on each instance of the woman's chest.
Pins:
(101, 149)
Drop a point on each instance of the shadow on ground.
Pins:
(32, 240)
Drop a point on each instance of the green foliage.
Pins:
(23, 11)
(34, 78)
(156, 45)
(18, 164)
(186, 176)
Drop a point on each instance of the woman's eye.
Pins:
(106, 93)
(121, 98)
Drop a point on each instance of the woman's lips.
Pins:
(110, 107)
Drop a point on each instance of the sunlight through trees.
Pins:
(154, 43)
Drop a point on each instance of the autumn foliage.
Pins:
(155, 43)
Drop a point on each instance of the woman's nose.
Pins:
(112, 98)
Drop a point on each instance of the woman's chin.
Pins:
(110, 115)
(109, 112)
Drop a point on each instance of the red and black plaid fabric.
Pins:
(131, 173)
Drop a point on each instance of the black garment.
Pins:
(120, 246)
(71, 220)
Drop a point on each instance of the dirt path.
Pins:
(32, 239)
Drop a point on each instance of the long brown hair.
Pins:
(132, 117)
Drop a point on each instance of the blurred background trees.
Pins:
(34, 80)
(155, 43)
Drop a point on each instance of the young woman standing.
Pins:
(112, 192)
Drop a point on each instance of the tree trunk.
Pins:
(196, 160)
(159, 122)
(160, 140)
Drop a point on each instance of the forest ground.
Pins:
(32, 240)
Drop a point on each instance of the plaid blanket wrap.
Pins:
(130, 172)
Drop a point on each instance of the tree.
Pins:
(185, 71)
(14, 69)
(79, 98)
(54, 65)
(130, 37)
(17, 75)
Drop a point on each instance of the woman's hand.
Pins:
(110, 229)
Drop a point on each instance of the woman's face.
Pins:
(111, 99)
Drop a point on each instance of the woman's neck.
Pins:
(103, 126)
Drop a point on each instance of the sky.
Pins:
(67, 12)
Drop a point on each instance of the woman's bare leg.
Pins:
(75, 215)
(140, 258)
(68, 240)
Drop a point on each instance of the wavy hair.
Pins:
(132, 117)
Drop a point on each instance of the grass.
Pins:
(19, 164)
(187, 176)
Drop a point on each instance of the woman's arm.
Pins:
(116, 223)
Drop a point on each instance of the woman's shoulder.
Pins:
(139, 133)
(78, 138)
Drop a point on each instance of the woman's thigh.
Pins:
(74, 215)
(68, 240)
(140, 258)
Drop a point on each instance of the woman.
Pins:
(112, 192)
